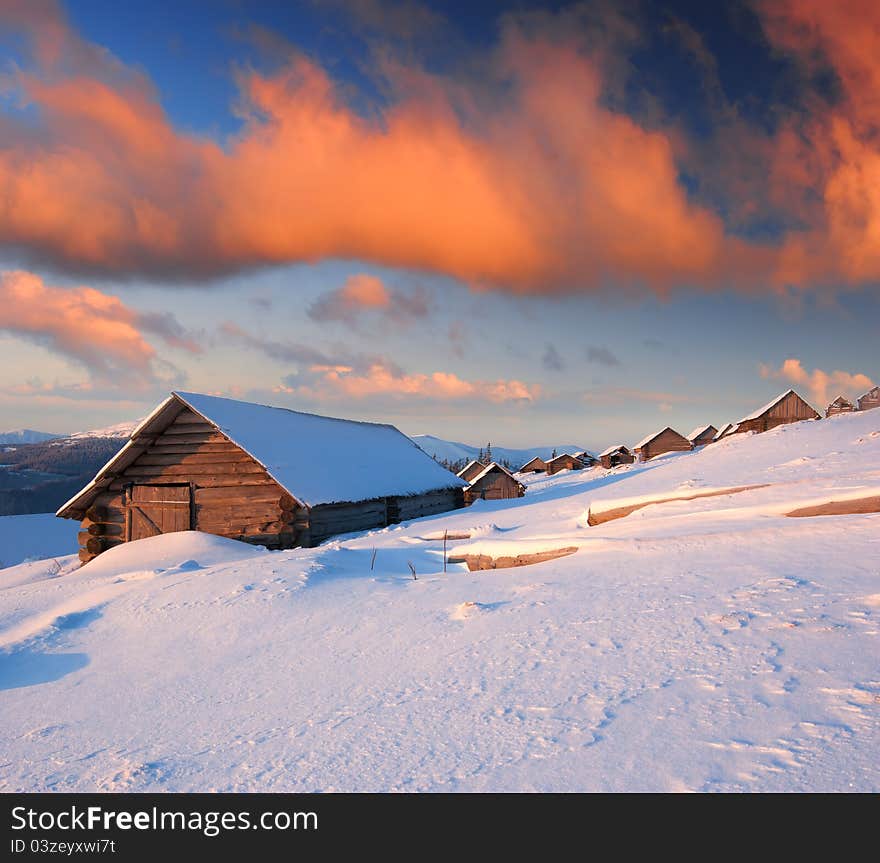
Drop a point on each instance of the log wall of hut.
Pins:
(191, 477)
(497, 485)
(563, 462)
(613, 459)
(790, 409)
(536, 465)
(667, 441)
(870, 399)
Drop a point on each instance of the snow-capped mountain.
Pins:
(120, 430)
(454, 451)
(20, 436)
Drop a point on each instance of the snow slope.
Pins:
(711, 644)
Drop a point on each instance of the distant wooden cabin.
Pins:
(586, 458)
(494, 482)
(725, 431)
(536, 465)
(616, 455)
(471, 469)
(566, 461)
(264, 475)
(840, 405)
(702, 435)
(663, 441)
(870, 399)
(786, 408)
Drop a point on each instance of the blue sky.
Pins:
(596, 344)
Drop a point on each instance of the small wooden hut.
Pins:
(788, 407)
(535, 465)
(725, 431)
(702, 435)
(471, 469)
(870, 399)
(587, 458)
(663, 441)
(616, 455)
(840, 405)
(494, 483)
(565, 461)
(264, 475)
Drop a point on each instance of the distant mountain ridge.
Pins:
(18, 436)
(120, 430)
(454, 451)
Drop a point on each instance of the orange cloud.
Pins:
(363, 293)
(835, 150)
(548, 190)
(822, 387)
(83, 324)
(382, 379)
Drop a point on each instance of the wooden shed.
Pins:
(536, 465)
(494, 483)
(788, 407)
(586, 458)
(663, 441)
(265, 475)
(702, 435)
(470, 470)
(566, 461)
(840, 405)
(616, 455)
(870, 399)
(725, 431)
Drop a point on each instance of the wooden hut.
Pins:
(663, 441)
(566, 461)
(870, 399)
(786, 408)
(840, 405)
(494, 483)
(264, 475)
(586, 458)
(470, 470)
(725, 431)
(702, 435)
(536, 465)
(616, 455)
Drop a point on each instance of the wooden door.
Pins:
(155, 509)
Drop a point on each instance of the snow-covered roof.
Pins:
(698, 431)
(317, 459)
(611, 449)
(651, 437)
(488, 469)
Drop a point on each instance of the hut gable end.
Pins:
(788, 407)
(870, 399)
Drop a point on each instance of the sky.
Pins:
(519, 222)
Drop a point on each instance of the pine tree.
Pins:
(488, 452)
